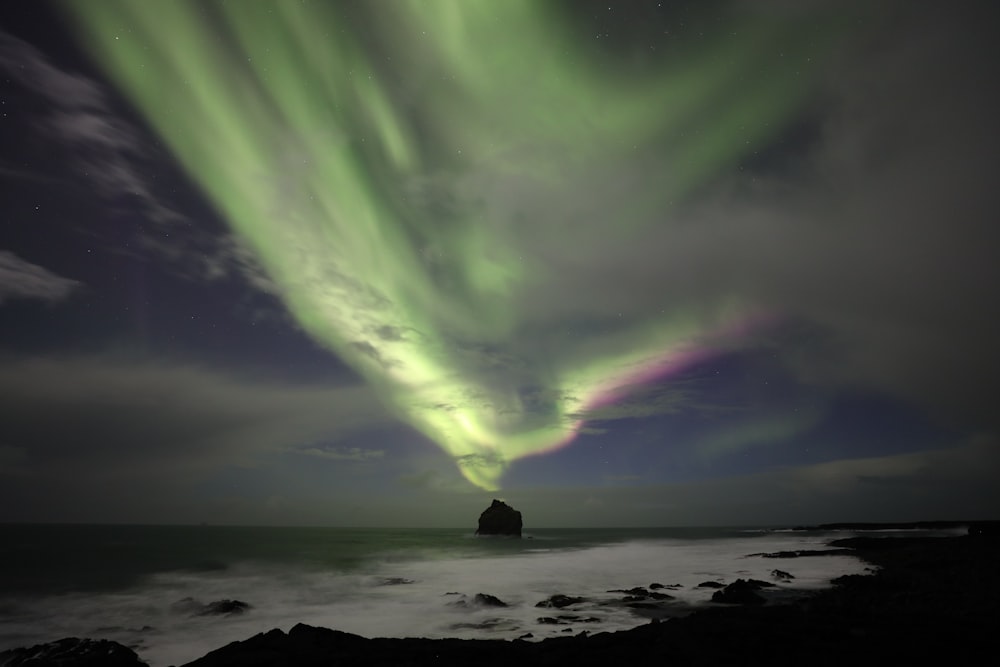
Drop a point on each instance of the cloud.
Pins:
(955, 483)
(868, 224)
(108, 418)
(340, 453)
(844, 187)
(79, 122)
(79, 114)
(20, 279)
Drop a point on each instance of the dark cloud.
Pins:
(893, 488)
(864, 226)
(872, 225)
(106, 418)
(339, 453)
(20, 279)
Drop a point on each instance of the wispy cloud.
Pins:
(79, 121)
(340, 453)
(79, 114)
(123, 418)
(20, 279)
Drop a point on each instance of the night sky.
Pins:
(619, 263)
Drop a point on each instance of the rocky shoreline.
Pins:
(926, 598)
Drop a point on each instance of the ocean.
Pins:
(144, 586)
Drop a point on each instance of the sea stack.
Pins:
(499, 519)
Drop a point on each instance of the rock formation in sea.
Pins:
(499, 519)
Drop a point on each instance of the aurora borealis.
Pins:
(319, 156)
(522, 226)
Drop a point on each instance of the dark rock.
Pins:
(781, 575)
(526, 635)
(631, 591)
(904, 525)
(802, 553)
(499, 519)
(559, 601)
(566, 619)
(710, 584)
(642, 605)
(395, 581)
(931, 601)
(488, 624)
(486, 600)
(661, 596)
(740, 591)
(72, 652)
(480, 600)
(760, 584)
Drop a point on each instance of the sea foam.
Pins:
(416, 593)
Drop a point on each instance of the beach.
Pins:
(919, 596)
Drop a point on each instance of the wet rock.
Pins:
(802, 553)
(559, 601)
(72, 652)
(480, 600)
(487, 600)
(488, 624)
(710, 584)
(740, 591)
(566, 619)
(781, 575)
(395, 581)
(642, 605)
(640, 594)
(500, 519)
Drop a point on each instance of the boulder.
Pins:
(394, 581)
(637, 591)
(480, 600)
(487, 600)
(499, 519)
(740, 591)
(559, 601)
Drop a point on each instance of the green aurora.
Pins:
(365, 154)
